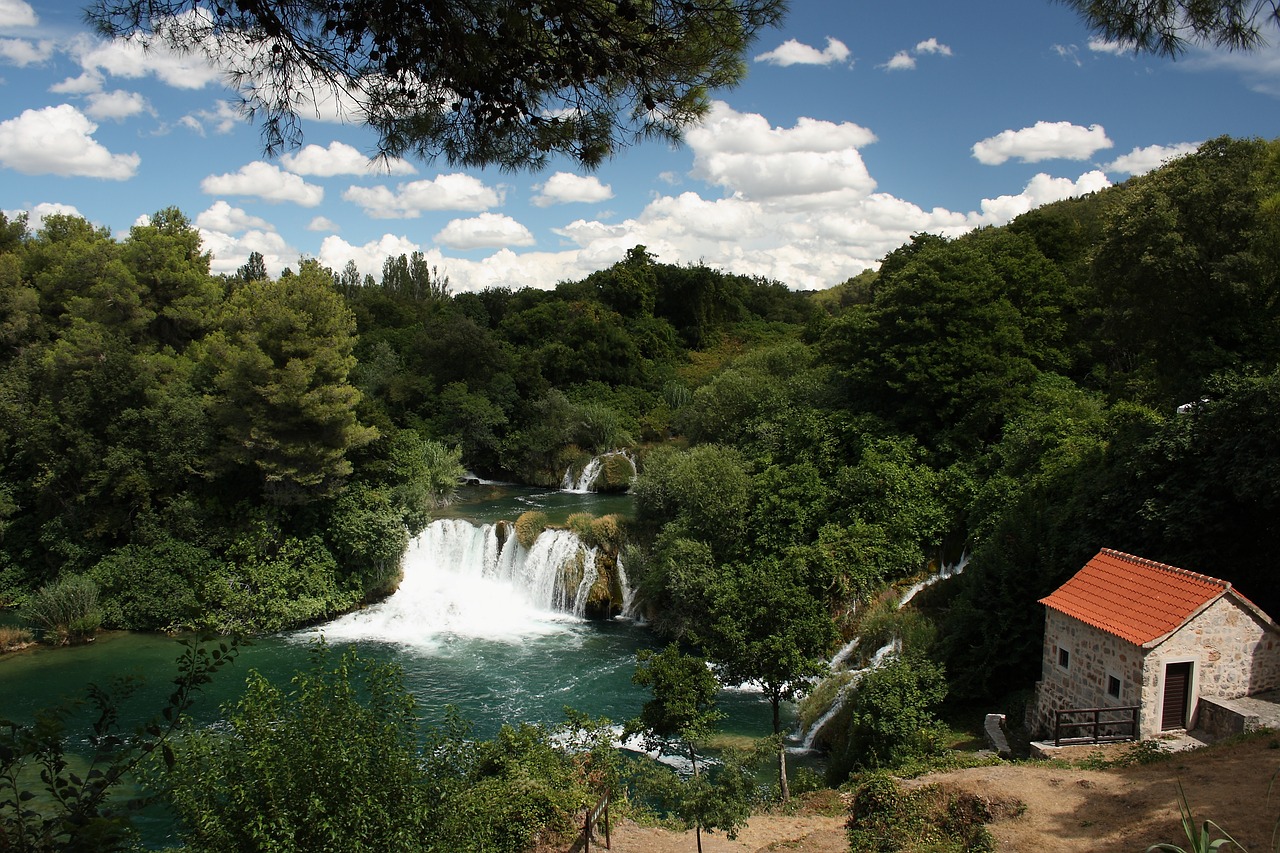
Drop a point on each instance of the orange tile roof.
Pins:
(1137, 600)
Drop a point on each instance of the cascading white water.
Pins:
(842, 657)
(586, 480)
(462, 579)
(947, 571)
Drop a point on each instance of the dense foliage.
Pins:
(190, 446)
(250, 454)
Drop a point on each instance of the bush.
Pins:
(893, 720)
(265, 589)
(884, 818)
(13, 638)
(331, 764)
(150, 587)
(607, 532)
(616, 473)
(66, 611)
(529, 526)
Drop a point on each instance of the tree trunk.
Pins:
(782, 749)
(697, 828)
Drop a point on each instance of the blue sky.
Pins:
(858, 125)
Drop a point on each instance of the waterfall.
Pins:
(586, 480)
(628, 594)
(468, 580)
(841, 658)
(947, 571)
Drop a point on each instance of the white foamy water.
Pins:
(466, 580)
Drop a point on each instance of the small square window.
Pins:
(1113, 686)
(1064, 658)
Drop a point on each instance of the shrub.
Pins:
(607, 532)
(260, 590)
(13, 638)
(529, 526)
(893, 720)
(616, 473)
(581, 524)
(884, 818)
(149, 587)
(66, 611)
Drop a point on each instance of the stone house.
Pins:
(1125, 631)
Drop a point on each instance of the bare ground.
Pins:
(1067, 809)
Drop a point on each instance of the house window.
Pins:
(1064, 658)
(1113, 686)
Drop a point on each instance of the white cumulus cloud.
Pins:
(84, 84)
(223, 118)
(1040, 190)
(565, 187)
(340, 158)
(901, 61)
(743, 153)
(1139, 161)
(265, 181)
(231, 251)
(443, 192)
(134, 58)
(905, 60)
(17, 13)
(932, 45)
(323, 223)
(486, 231)
(36, 214)
(59, 141)
(792, 52)
(116, 105)
(21, 52)
(1046, 140)
(221, 216)
(1113, 48)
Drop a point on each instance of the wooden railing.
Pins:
(1105, 725)
(599, 814)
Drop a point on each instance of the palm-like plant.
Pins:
(1197, 841)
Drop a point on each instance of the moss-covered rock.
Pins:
(528, 527)
(616, 473)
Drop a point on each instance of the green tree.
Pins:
(1185, 273)
(769, 626)
(331, 763)
(493, 83)
(279, 363)
(703, 493)
(894, 717)
(678, 720)
(254, 269)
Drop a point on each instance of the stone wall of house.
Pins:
(1093, 656)
(1234, 653)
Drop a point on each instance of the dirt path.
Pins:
(1067, 809)
(1128, 809)
(762, 833)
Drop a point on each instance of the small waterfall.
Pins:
(947, 571)
(846, 652)
(585, 481)
(463, 579)
(628, 594)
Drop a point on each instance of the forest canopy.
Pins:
(244, 453)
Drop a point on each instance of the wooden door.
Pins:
(1177, 691)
